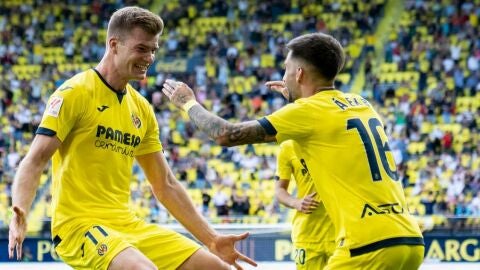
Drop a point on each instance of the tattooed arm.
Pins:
(226, 133)
(222, 131)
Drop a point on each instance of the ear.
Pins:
(113, 44)
(299, 75)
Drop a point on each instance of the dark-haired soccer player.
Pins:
(346, 151)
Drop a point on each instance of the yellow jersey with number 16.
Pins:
(347, 153)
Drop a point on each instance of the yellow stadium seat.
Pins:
(267, 60)
(177, 138)
(194, 144)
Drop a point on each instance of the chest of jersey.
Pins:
(112, 125)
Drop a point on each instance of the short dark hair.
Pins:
(323, 52)
(126, 19)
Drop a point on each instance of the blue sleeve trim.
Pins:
(45, 131)
(267, 126)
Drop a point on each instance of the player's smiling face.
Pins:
(136, 52)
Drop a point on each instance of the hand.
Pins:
(178, 92)
(278, 86)
(17, 231)
(224, 247)
(308, 204)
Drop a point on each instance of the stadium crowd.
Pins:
(227, 50)
(428, 91)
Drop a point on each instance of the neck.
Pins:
(110, 75)
(324, 88)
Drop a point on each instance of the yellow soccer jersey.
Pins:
(101, 133)
(306, 228)
(346, 151)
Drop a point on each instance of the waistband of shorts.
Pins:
(386, 243)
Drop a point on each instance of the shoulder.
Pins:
(77, 86)
(292, 109)
(287, 149)
(286, 145)
(137, 97)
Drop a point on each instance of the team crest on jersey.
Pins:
(54, 106)
(102, 249)
(136, 121)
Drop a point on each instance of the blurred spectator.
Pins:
(228, 64)
(220, 201)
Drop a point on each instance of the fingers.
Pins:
(169, 88)
(237, 266)
(314, 203)
(14, 236)
(11, 245)
(278, 86)
(275, 83)
(246, 259)
(309, 205)
(19, 251)
(171, 82)
(241, 236)
(309, 199)
(177, 92)
(240, 256)
(14, 245)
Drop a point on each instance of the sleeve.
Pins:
(151, 141)
(284, 164)
(63, 109)
(290, 122)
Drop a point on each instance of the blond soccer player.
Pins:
(95, 126)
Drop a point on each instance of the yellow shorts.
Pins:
(309, 256)
(400, 257)
(93, 246)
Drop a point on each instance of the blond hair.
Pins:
(124, 20)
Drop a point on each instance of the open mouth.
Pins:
(142, 68)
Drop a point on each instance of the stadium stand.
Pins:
(424, 79)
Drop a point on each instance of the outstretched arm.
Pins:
(175, 198)
(226, 133)
(25, 187)
(222, 131)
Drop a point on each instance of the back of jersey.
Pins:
(362, 172)
(348, 156)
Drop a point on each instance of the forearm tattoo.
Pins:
(224, 132)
